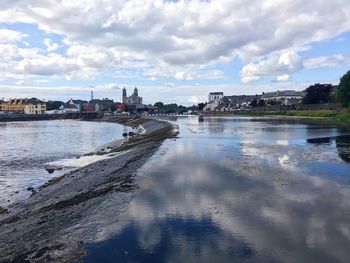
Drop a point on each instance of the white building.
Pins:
(211, 106)
(282, 95)
(34, 106)
(68, 108)
(214, 96)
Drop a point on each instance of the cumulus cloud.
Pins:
(281, 66)
(182, 39)
(334, 61)
(51, 46)
(7, 36)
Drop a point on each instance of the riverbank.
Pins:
(340, 118)
(54, 223)
(48, 117)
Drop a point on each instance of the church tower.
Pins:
(136, 92)
(124, 95)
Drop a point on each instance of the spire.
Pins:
(136, 92)
(124, 94)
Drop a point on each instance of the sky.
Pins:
(173, 51)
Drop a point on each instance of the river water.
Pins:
(27, 148)
(237, 190)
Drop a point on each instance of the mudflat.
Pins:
(55, 222)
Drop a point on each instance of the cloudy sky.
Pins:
(174, 51)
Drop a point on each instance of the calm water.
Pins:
(237, 190)
(28, 147)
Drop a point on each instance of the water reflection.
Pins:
(245, 193)
(342, 143)
(343, 147)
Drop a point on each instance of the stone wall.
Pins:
(43, 117)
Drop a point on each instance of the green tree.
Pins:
(201, 106)
(54, 105)
(254, 103)
(159, 105)
(261, 103)
(273, 102)
(318, 93)
(113, 107)
(343, 90)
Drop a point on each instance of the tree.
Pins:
(343, 90)
(130, 108)
(261, 103)
(201, 106)
(318, 93)
(254, 103)
(159, 105)
(54, 105)
(113, 107)
(273, 102)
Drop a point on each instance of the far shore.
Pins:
(54, 223)
(340, 118)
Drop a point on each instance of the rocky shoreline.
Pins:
(55, 222)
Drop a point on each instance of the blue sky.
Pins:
(172, 51)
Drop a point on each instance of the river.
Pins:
(27, 148)
(235, 189)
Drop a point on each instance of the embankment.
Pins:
(80, 207)
(47, 117)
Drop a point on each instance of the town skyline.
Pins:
(190, 49)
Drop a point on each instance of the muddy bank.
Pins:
(77, 208)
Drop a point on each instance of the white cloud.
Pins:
(281, 66)
(51, 46)
(7, 36)
(334, 61)
(181, 94)
(284, 77)
(169, 84)
(180, 39)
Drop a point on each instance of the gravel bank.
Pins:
(69, 211)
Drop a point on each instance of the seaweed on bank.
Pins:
(2, 210)
(52, 181)
(157, 136)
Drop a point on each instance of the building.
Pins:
(237, 101)
(134, 99)
(80, 104)
(68, 108)
(231, 103)
(34, 106)
(214, 96)
(97, 105)
(13, 105)
(286, 97)
(1, 102)
(27, 106)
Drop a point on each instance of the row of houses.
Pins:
(133, 103)
(76, 106)
(218, 102)
(27, 106)
(36, 106)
